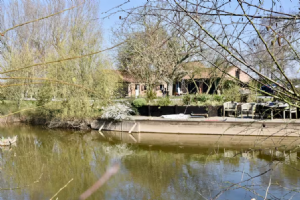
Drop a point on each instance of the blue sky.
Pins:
(113, 20)
(109, 23)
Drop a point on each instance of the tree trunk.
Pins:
(209, 86)
(197, 88)
(170, 88)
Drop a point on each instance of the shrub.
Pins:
(232, 94)
(202, 97)
(251, 97)
(116, 112)
(151, 94)
(139, 102)
(164, 101)
(208, 103)
(187, 99)
(228, 84)
(218, 98)
(212, 103)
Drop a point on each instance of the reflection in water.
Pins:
(45, 160)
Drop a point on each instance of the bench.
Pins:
(199, 115)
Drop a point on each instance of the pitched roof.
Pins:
(199, 71)
(126, 76)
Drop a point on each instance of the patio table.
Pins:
(273, 107)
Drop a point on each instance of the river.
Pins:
(44, 161)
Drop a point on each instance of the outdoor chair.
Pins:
(290, 109)
(230, 107)
(248, 108)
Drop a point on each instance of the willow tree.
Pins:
(28, 52)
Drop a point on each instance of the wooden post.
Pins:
(149, 110)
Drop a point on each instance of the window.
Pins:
(145, 87)
(237, 73)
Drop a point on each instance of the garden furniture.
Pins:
(290, 109)
(271, 107)
(248, 108)
(230, 107)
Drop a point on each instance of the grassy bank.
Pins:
(8, 107)
(50, 114)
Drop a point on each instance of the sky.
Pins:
(111, 22)
(110, 5)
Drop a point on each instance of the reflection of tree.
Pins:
(61, 160)
(144, 174)
(290, 172)
(155, 171)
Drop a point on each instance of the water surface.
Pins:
(44, 160)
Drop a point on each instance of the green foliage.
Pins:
(45, 94)
(139, 102)
(218, 98)
(228, 84)
(232, 94)
(79, 87)
(151, 94)
(202, 97)
(187, 99)
(251, 97)
(208, 103)
(8, 107)
(164, 101)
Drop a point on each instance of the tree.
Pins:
(273, 31)
(138, 57)
(229, 34)
(154, 51)
(62, 36)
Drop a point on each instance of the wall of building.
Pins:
(185, 86)
(243, 76)
(131, 88)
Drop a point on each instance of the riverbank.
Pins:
(190, 126)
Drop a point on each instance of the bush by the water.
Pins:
(117, 111)
(164, 101)
(139, 102)
(8, 107)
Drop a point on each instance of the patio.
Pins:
(260, 110)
